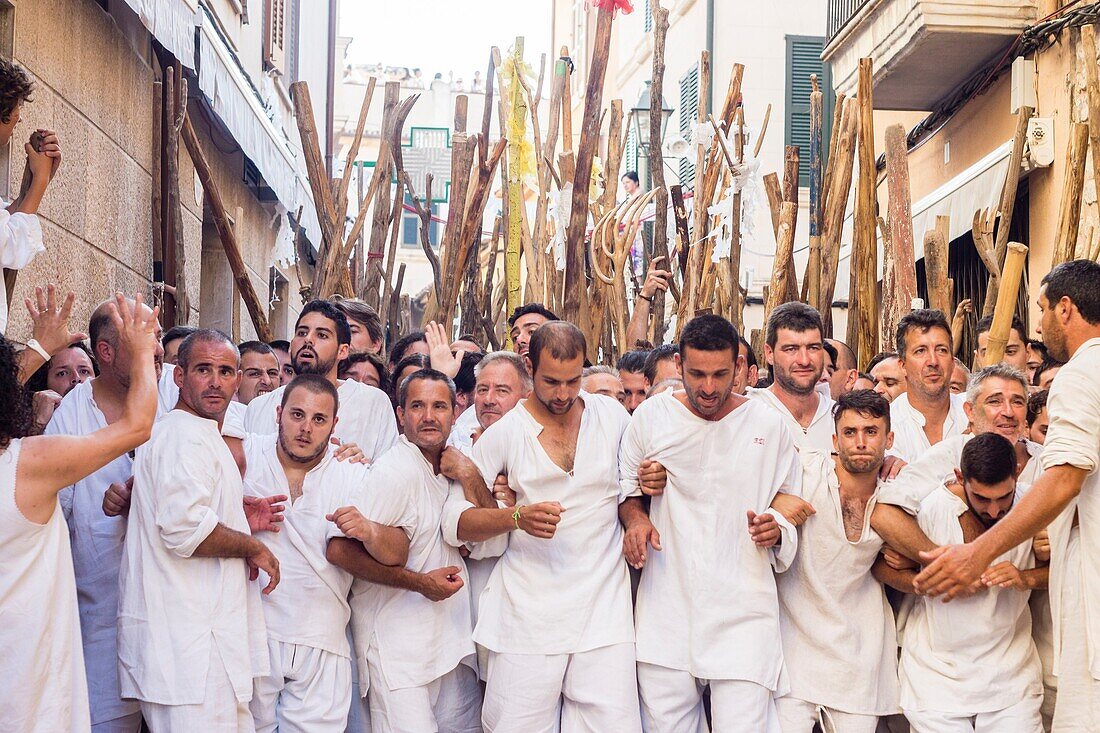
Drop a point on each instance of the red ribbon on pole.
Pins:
(613, 5)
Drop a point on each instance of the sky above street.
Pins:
(440, 36)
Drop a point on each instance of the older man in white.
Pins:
(190, 628)
(707, 610)
(555, 614)
(412, 624)
(838, 630)
(971, 665)
(309, 685)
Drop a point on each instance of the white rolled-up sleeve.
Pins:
(182, 500)
(20, 239)
(920, 478)
(782, 554)
(1073, 437)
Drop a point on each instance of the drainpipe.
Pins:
(333, 9)
(710, 52)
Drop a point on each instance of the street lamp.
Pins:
(641, 116)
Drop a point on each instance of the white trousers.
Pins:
(596, 691)
(307, 690)
(1023, 717)
(448, 704)
(219, 712)
(800, 716)
(124, 724)
(1077, 709)
(672, 702)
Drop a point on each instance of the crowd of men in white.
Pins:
(182, 553)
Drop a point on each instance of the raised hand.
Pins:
(439, 350)
(264, 513)
(51, 324)
(135, 327)
(656, 280)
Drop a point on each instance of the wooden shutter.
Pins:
(688, 112)
(804, 59)
(275, 17)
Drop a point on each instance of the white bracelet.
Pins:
(36, 347)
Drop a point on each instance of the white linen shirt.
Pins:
(707, 602)
(20, 243)
(907, 423)
(366, 417)
(973, 655)
(839, 642)
(570, 593)
(172, 605)
(417, 641)
(1073, 439)
(310, 606)
(818, 435)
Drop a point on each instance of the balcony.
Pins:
(922, 49)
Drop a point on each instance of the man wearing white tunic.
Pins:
(321, 341)
(971, 665)
(926, 412)
(190, 628)
(838, 633)
(43, 688)
(1070, 325)
(707, 610)
(97, 539)
(309, 685)
(555, 614)
(795, 353)
(412, 624)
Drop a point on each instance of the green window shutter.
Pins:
(804, 59)
(688, 110)
(630, 155)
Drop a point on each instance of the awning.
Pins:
(234, 101)
(172, 23)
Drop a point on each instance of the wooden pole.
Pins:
(656, 161)
(1092, 89)
(176, 87)
(935, 270)
(582, 180)
(257, 310)
(901, 217)
(864, 260)
(1008, 199)
(1069, 208)
(1011, 274)
(836, 202)
(353, 152)
(791, 162)
(513, 233)
(784, 249)
(689, 293)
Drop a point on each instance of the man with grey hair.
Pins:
(501, 381)
(602, 379)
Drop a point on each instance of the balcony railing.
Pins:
(840, 12)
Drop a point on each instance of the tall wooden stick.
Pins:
(1069, 208)
(689, 294)
(1092, 89)
(513, 233)
(656, 159)
(176, 114)
(935, 269)
(783, 265)
(836, 201)
(1011, 274)
(353, 152)
(582, 180)
(864, 260)
(901, 216)
(1007, 204)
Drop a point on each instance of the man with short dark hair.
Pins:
(661, 364)
(1070, 325)
(631, 366)
(888, 374)
(172, 339)
(927, 412)
(191, 634)
(1036, 355)
(795, 353)
(260, 372)
(321, 341)
(286, 367)
(366, 368)
(844, 372)
(749, 374)
(1045, 372)
(555, 616)
(828, 597)
(524, 321)
(1015, 353)
(414, 342)
(411, 623)
(718, 547)
(364, 322)
(972, 664)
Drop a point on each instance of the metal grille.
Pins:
(839, 13)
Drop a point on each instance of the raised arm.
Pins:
(49, 463)
(655, 285)
(50, 329)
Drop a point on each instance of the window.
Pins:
(804, 59)
(410, 227)
(630, 154)
(688, 112)
(275, 16)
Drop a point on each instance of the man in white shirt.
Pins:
(321, 341)
(97, 539)
(1070, 326)
(412, 623)
(842, 373)
(524, 321)
(259, 371)
(707, 610)
(971, 665)
(838, 633)
(927, 412)
(190, 628)
(309, 684)
(795, 353)
(44, 686)
(555, 614)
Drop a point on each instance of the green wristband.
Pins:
(515, 516)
